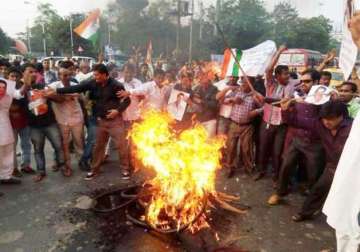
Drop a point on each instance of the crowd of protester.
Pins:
(80, 109)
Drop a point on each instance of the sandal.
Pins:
(39, 177)
(67, 172)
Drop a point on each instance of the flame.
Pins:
(185, 168)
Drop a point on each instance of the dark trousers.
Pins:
(319, 192)
(313, 157)
(271, 144)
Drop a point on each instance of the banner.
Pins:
(253, 61)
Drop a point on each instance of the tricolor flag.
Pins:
(89, 28)
(230, 67)
(149, 51)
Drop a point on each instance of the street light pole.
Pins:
(71, 37)
(191, 31)
(44, 39)
(178, 28)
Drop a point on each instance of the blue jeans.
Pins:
(90, 139)
(38, 136)
(25, 145)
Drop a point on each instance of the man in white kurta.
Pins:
(7, 90)
(342, 205)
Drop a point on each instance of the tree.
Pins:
(244, 22)
(285, 19)
(5, 42)
(313, 33)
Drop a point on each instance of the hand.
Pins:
(282, 48)
(330, 56)
(123, 94)
(112, 113)
(49, 92)
(354, 27)
(285, 103)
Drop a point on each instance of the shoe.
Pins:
(1, 194)
(66, 171)
(28, 170)
(55, 168)
(39, 178)
(125, 175)
(10, 181)
(259, 176)
(231, 173)
(274, 200)
(17, 173)
(299, 218)
(90, 176)
(84, 165)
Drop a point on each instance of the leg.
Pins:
(52, 133)
(318, 194)
(288, 166)
(6, 161)
(65, 135)
(102, 137)
(38, 140)
(117, 133)
(247, 148)
(314, 161)
(16, 135)
(266, 140)
(90, 140)
(223, 126)
(278, 145)
(77, 133)
(231, 146)
(25, 147)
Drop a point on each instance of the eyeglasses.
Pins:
(305, 81)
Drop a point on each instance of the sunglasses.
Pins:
(306, 81)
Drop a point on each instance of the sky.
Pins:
(15, 14)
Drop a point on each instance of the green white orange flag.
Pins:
(253, 61)
(89, 28)
(229, 67)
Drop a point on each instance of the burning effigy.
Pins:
(185, 166)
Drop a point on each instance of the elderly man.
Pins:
(69, 116)
(7, 137)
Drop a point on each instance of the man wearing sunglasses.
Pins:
(348, 92)
(304, 144)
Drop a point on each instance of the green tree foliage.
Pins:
(5, 42)
(133, 23)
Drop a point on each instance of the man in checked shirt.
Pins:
(244, 110)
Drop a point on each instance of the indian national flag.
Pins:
(89, 28)
(230, 67)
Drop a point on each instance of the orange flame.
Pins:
(185, 167)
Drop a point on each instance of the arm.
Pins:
(220, 96)
(329, 57)
(81, 88)
(270, 69)
(124, 102)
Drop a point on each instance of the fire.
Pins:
(185, 168)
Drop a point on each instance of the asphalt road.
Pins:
(46, 216)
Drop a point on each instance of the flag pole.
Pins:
(234, 56)
(71, 37)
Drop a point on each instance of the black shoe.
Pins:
(125, 175)
(90, 176)
(28, 169)
(259, 176)
(10, 181)
(1, 194)
(300, 217)
(84, 165)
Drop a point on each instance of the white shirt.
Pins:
(155, 97)
(81, 76)
(133, 111)
(69, 112)
(342, 205)
(225, 109)
(6, 131)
